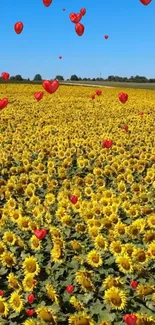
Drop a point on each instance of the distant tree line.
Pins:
(38, 78)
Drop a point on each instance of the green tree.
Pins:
(60, 78)
(37, 77)
(74, 77)
(18, 77)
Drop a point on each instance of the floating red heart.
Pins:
(5, 76)
(47, 3)
(40, 234)
(92, 96)
(98, 92)
(70, 289)
(50, 86)
(75, 18)
(60, 57)
(73, 199)
(79, 28)
(145, 2)
(38, 95)
(106, 36)
(30, 312)
(134, 284)
(130, 319)
(83, 11)
(3, 103)
(123, 97)
(107, 143)
(125, 127)
(1, 293)
(18, 27)
(141, 113)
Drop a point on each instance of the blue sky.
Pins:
(48, 33)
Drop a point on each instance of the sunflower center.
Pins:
(142, 257)
(95, 259)
(126, 265)
(31, 267)
(116, 301)
(16, 302)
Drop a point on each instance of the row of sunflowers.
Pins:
(77, 220)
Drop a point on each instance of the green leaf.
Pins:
(13, 315)
(106, 316)
(150, 305)
(87, 297)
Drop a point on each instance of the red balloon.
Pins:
(130, 319)
(123, 97)
(107, 144)
(106, 36)
(18, 27)
(50, 86)
(79, 28)
(5, 76)
(98, 92)
(47, 3)
(92, 96)
(145, 2)
(3, 103)
(83, 11)
(60, 57)
(38, 95)
(75, 18)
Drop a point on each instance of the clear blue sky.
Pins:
(48, 33)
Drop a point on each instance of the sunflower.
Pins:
(4, 309)
(46, 315)
(16, 302)
(116, 247)
(23, 223)
(124, 264)
(116, 298)
(144, 290)
(83, 278)
(30, 266)
(51, 293)
(76, 246)
(80, 318)
(8, 259)
(151, 249)
(140, 256)
(2, 248)
(149, 236)
(81, 228)
(55, 232)
(28, 282)
(57, 253)
(151, 221)
(50, 198)
(13, 283)
(101, 243)
(76, 303)
(112, 281)
(9, 238)
(94, 258)
(128, 248)
(35, 243)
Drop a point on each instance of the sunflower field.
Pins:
(77, 219)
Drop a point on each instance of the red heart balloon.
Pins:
(40, 234)
(83, 11)
(145, 2)
(3, 103)
(123, 97)
(5, 76)
(106, 36)
(18, 27)
(73, 199)
(107, 144)
(60, 57)
(98, 92)
(50, 86)
(130, 319)
(75, 18)
(47, 3)
(79, 28)
(38, 95)
(30, 312)
(92, 96)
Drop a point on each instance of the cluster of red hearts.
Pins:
(75, 18)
